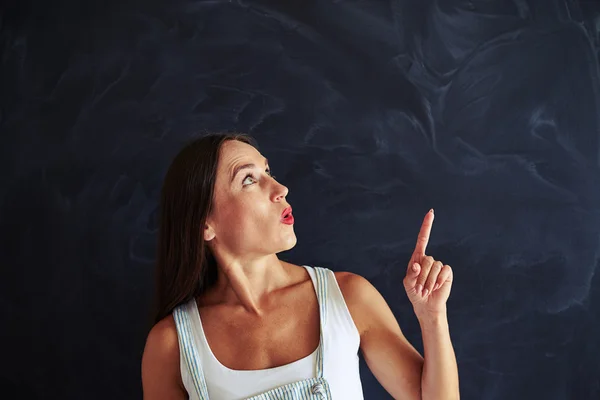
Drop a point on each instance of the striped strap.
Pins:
(190, 353)
(321, 274)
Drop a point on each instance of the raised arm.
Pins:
(395, 363)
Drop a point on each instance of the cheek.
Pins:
(253, 218)
(251, 213)
(238, 215)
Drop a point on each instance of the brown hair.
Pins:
(185, 266)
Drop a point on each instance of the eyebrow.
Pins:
(245, 166)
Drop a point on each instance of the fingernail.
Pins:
(425, 292)
(431, 211)
(419, 288)
(437, 285)
(415, 267)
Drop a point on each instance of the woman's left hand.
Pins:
(427, 282)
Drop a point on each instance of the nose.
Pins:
(280, 191)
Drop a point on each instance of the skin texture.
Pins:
(263, 312)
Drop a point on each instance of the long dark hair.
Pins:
(185, 266)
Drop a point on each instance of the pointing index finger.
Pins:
(423, 238)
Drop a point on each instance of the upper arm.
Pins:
(161, 376)
(395, 363)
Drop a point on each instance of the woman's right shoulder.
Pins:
(160, 361)
(163, 337)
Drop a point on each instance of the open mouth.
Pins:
(287, 216)
(288, 219)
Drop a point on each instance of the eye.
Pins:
(268, 170)
(246, 177)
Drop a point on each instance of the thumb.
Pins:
(410, 281)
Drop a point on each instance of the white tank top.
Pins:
(340, 359)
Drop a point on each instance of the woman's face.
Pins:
(248, 205)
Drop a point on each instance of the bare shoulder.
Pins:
(162, 340)
(360, 296)
(353, 286)
(161, 376)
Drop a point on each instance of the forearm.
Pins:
(440, 371)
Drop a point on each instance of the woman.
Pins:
(235, 322)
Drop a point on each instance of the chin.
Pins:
(290, 244)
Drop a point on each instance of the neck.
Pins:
(249, 283)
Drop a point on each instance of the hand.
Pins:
(427, 282)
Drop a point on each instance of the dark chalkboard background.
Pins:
(371, 112)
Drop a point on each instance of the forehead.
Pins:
(234, 151)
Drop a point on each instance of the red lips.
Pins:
(286, 211)
(286, 216)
